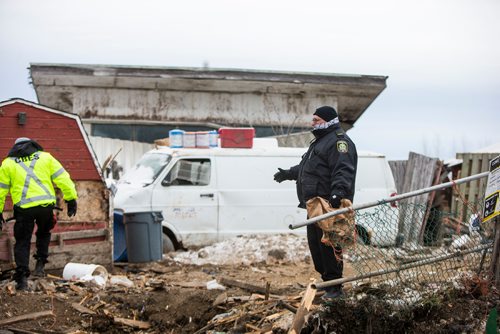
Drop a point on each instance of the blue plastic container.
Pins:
(120, 243)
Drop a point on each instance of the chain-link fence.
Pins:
(401, 264)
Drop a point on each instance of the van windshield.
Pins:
(147, 169)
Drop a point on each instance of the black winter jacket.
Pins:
(328, 167)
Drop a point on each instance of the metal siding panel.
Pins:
(130, 153)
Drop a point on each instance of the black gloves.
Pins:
(335, 201)
(71, 207)
(282, 175)
(2, 221)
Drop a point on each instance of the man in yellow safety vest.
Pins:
(29, 174)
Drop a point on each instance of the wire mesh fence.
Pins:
(409, 252)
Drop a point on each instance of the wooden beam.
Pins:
(82, 309)
(24, 317)
(245, 286)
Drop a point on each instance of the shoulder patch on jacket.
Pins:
(342, 146)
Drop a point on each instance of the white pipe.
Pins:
(390, 199)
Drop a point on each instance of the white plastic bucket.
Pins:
(202, 139)
(189, 139)
(175, 138)
(87, 272)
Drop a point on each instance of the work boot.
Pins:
(39, 271)
(22, 284)
(332, 294)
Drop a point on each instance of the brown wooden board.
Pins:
(398, 168)
(419, 174)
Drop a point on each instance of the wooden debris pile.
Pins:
(240, 307)
(260, 313)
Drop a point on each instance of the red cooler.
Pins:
(236, 137)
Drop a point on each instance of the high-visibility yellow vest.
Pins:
(30, 180)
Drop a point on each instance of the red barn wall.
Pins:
(58, 135)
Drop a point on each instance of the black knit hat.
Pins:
(326, 113)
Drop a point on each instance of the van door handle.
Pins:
(207, 195)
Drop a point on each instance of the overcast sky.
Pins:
(442, 57)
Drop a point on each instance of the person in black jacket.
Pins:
(328, 170)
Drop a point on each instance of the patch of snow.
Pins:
(121, 280)
(213, 285)
(249, 249)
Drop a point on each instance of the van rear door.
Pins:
(188, 200)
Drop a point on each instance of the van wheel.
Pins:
(168, 245)
(363, 237)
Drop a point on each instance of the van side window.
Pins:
(189, 172)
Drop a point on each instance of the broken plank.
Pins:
(190, 284)
(304, 307)
(82, 309)
(132, 323)
(276, 315)
(221, 299)
(252, 327)
(243, 285)
(24, 317)
(54, 276)
(239, 299)
(75, 288)
(46, 287)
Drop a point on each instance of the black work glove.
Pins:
(71, 207)
(2, 221)
(282, 175)
(335, 201)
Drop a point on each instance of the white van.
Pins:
(207, 195)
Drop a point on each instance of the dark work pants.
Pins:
(23, 230)
(324, 257)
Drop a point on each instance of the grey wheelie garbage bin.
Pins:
(143, 233)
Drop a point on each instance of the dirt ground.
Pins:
(167, 297)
